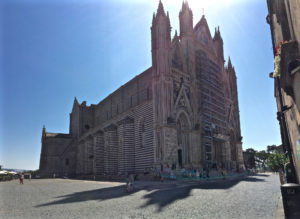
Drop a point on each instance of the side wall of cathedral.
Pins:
(110, 138)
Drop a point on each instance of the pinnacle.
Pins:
(160, 10)
(75, 100)
(185, 5)
(229, 65)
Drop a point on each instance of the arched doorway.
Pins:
(182, 127)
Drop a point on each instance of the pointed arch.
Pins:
(183, 126)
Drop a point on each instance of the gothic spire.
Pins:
(229, 65)
(185, 5)
(153, 19)
(175, 38)
(44, 131)
(185, 19)
(75, 101)
(160, 10)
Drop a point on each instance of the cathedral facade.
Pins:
(183, 111)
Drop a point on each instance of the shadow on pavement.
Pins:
(162, 198)
(265, 175)
(163, 195)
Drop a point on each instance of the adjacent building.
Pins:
(284, 20)
(183, 111)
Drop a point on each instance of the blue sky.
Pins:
(52, 51)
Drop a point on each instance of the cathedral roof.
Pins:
(57, 135)
(202, 22)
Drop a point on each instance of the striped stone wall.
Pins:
(122, 145)
(99, 153)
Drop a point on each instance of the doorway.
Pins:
(180, 158)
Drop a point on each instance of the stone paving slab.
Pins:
(251, 197)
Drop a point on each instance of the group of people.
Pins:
(191, 172)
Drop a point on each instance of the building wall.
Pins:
(284, 20)
(121, 145)
(53, 148)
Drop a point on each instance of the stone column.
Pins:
(80, 158)
(99, 153)
(227, 154)
(126, 153)
(111, 150)
(89, 155)
(239, 156)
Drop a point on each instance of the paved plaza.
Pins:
(251, 197)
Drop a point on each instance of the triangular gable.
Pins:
(183, 100)
(202, 26)
(202, 33)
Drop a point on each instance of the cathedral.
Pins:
(182, 111)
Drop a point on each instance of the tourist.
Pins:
(197, 174)
(131, 183)
(22, 178)
(192, 172)
(127, 182)
(161, 176)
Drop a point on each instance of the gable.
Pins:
(183, 99)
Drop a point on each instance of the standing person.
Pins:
(127, 181)
(29, 177)
(131, 182)
(22, 178)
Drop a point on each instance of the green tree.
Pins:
(276, 161)
(249, 157)
(261, 157)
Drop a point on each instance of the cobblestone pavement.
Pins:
(251, 197)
